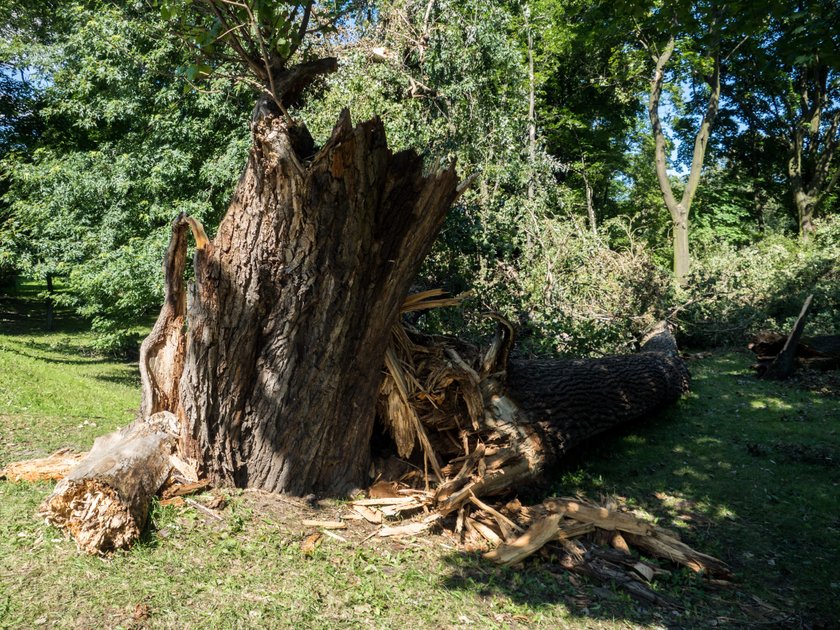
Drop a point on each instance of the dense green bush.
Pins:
(735, 292)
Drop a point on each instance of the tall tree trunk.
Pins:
(532, 107)
(292, 306)
(679, 210)
(804, 212)
(812, 145)
(682, 256)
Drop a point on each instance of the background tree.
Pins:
(118, 150)
(788, 91)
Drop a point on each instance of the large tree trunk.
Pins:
(292, 306)
(488, 425)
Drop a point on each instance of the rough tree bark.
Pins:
(812, 145)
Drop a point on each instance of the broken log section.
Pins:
(490, 423)
(104, 501)
(819, 352)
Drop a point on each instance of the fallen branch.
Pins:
(51, 468)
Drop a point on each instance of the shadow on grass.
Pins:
(744, 470)
(45, 349)
(130, 378)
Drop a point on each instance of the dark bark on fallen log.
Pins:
(104, 501)
(495, 426)
(820, 352)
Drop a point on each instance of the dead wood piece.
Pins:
(483, 530)
(325, 524)
(570, 530)
(530, 542)
(608, 572)
(181, 490)
(676, 551)
(51, 468)
(782, 366)
(411, 529)
(371, 516)
(767, 344)
(507, 527)
(104, 501)
(204, 509)
(600, 517)
(386, 501)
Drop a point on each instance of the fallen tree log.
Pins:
(104, 501)
(487, 424)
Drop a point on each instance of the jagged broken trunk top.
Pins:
(276, 378)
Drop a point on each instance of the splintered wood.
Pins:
(567, 521)
(50, 468)
(573, 518)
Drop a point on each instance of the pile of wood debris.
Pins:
(601, 542)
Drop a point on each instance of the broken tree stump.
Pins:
(104, 501)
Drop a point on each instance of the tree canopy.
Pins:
(117, 115)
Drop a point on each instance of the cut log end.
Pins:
(93, 514)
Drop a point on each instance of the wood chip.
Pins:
(371, 516)
(387, 501)
(204, 510)
(644, 570)
(325, 524)
(176, 501)
(180, 490)
(309, 544)
(334, 535)
(187, 468)
(411, 529)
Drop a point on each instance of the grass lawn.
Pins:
(746, 470)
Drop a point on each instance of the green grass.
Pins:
(746, 471)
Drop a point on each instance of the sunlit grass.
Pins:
(741, 468)
(746, 469)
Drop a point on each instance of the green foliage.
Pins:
(121, 153)
(736, 292)
(118, 115)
